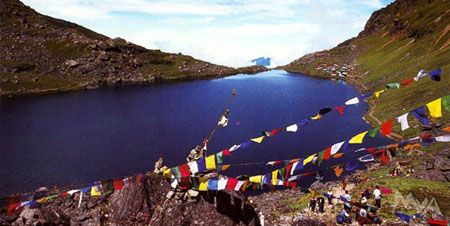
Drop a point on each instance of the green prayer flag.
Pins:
(321, 154)
(176, 172)
(446, 102)
(282, 172)
(393, 85)
(51, 197)
(195, 182)
(267, 134)
(373, 131)
(219, 157)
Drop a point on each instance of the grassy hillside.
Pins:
(396, 43)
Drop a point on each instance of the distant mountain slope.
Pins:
(262, 61)
(40, 53)
(397, 41)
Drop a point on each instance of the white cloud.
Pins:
(227, 32)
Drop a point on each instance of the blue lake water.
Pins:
(79, 137)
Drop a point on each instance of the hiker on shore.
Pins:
(343, 217)
(312, 204)
(377, 196)
(321, 203)
(347, 204)
(366, 194)
(330, 196)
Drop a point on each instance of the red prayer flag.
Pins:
(383, 157)
(288, 171)
(386, 127)
(138, 178)
(118, 184)
(184, 170)
(231, 183)
(327, 154)
(386, 190)
(226, 152)
(404, 83)
(340, 109)
(371, 149)
(14, 202)
(310, 174)
(275, 131)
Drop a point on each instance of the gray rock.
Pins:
(28, 213)
(318, 185)
(72, 63)
(170, 194)
(192, 193)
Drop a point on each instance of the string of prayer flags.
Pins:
(422, 73)
(210, 162)
(435, 108)
(436, 75)
(420, 115)
(258, 139)
(352, 101)
(292, 128)
(340, 109)
(377, 94)
(358, 139)
(386, 128)
(403, 120)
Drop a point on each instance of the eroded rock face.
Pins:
(141, 204)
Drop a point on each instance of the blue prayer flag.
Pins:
(420, 115)
(213, 184)
(303, 122)
(201, 164)
(350, 167)
(436, 75)
(367, 95)
(404, 217)
(245, 145)
(267, 178)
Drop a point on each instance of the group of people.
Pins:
(364, 214)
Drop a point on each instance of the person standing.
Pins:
(330, 196)
(344, 184)
(321, 202)
(312, 204)
(377, 196)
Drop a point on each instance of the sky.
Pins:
(225, 32)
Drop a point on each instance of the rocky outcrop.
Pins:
(140, 204)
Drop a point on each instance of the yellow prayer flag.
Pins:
(256, 179)
(211, 162)
(167, 173)
(42, 200)
(318, 116)
(435, 108)
(258, 139)
(358, 139)
(203, 184)
(274, 177)
(377, 94)
(94, 191)
(309, 159)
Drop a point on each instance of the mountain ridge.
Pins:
(45, 54)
